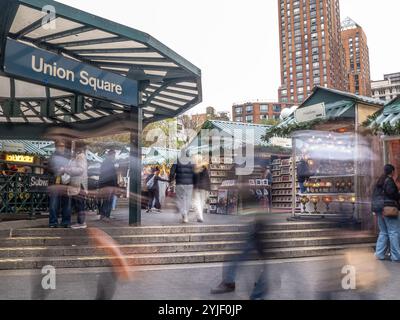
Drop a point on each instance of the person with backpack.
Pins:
(153, 188)
(385, 204)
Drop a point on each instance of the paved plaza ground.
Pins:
(297, 279)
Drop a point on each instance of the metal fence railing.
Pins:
(23, 193)
(27, 193)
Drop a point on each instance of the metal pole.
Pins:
(135, 169)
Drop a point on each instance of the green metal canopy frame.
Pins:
(168, 84)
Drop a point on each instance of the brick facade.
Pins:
(311, 49)
(357, 58)
(256, 112)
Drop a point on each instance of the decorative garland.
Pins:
(370, 119)
(387, 129)
(286, 131)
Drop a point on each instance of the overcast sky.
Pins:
(235, 42)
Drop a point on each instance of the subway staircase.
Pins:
(66, 248)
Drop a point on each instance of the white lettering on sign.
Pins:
(53, 70)
(39, 182)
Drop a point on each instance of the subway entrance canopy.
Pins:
(64, 68)
(72, 39)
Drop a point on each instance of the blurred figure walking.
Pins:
(108, 184)
(202, 185)
(254, 243)
(78, 188)
(183, 173)
(58, 187)
(163, 186)
(152, 183)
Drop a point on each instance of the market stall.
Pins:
(234, 150)
(385, 124)
(341, 157)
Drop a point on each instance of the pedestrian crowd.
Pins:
(69, 190)
(191, 180)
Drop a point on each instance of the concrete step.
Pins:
(15, 252)
(169, 238)
(170, 258)
(37, 232)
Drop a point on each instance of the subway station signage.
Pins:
(57, 71)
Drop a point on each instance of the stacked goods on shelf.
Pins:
(330, 194)
(282, 187)
(221, 169)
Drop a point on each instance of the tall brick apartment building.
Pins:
(256, 112)
(357, 58)
(311, 48)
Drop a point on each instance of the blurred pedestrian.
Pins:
(78, 188)
(183, 173)
(268, 177)
(202, 185)
(303, 174)
(58, 197)
(254, 242)
(152, 182)
(108, 185)
(385, 204)
(163, 186)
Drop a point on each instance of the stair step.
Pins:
(170, 258)
(171, 229)
(15, 252)
(168, 238)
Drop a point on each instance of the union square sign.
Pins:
(57, 71)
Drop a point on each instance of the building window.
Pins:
(249, 118)
(239, 110)
(249, 109)
(277, 108)
(264, 108)
(264, 117)
(238, 119)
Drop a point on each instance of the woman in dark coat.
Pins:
(386, 194)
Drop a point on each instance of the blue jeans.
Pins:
(114, 202)
(78, 203)
(106, 205)
(56, 201)
(388, 237)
